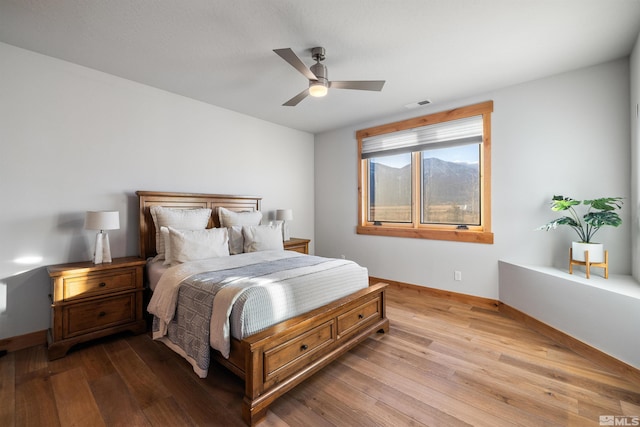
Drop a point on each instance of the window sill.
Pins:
(468, 236)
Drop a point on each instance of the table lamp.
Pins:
(102, 220)
(285, 215)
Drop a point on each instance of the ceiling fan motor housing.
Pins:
(320, 71)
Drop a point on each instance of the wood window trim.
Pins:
(482, 234)
(468, 236)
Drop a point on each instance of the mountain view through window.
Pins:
(450, 190)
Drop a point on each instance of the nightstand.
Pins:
(90, 301)
(298, 245)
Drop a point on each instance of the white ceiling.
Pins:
(220, 51)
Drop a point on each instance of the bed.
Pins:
(274, 360)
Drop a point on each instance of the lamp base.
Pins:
(102, 253)
(285, 231)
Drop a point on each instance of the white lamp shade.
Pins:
(284, 214)
(102, 220)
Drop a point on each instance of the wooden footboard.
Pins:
(281, 357)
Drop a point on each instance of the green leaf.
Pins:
(605, 203)
(565, 220)
(599, 219)
(560, 203)
(568, 221)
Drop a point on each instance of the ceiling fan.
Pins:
(319, 83)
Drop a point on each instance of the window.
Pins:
(428, 177)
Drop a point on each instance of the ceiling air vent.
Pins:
(418, 104)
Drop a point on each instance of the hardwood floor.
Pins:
(443, 363)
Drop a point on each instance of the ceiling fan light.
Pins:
(318, 90)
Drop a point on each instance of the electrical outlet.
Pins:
(457, 275)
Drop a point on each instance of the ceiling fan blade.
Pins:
(296, 99)
(359, 85)
(289, 56)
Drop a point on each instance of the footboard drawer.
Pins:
(293, 354)
(366, 313)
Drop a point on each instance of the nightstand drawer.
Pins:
(301, 249)
(86, 317)
(98, 283)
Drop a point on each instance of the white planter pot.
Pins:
(596, 251)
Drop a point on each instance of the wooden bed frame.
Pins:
(277, 359)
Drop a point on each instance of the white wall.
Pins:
(568, 134)
(635, 159)
(73, 139)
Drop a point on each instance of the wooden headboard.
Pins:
(185, 201)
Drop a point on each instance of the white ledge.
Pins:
(603, 313)
(619, 283)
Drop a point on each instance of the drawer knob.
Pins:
(102, 284)
(102, 314)
(360, 316)
(303, 347)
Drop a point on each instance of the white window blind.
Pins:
(446, 134)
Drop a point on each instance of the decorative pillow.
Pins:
(181, 219)
(164, 235)
(192, 245)
(234, 222)
(262, 237)
(236, 241)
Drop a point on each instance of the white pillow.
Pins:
(229, 218)
(192, 245)
(262, 237)
(182, 219)
(234, 222)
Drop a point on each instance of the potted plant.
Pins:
(600, 212)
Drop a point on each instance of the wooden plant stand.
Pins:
(588, 264)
